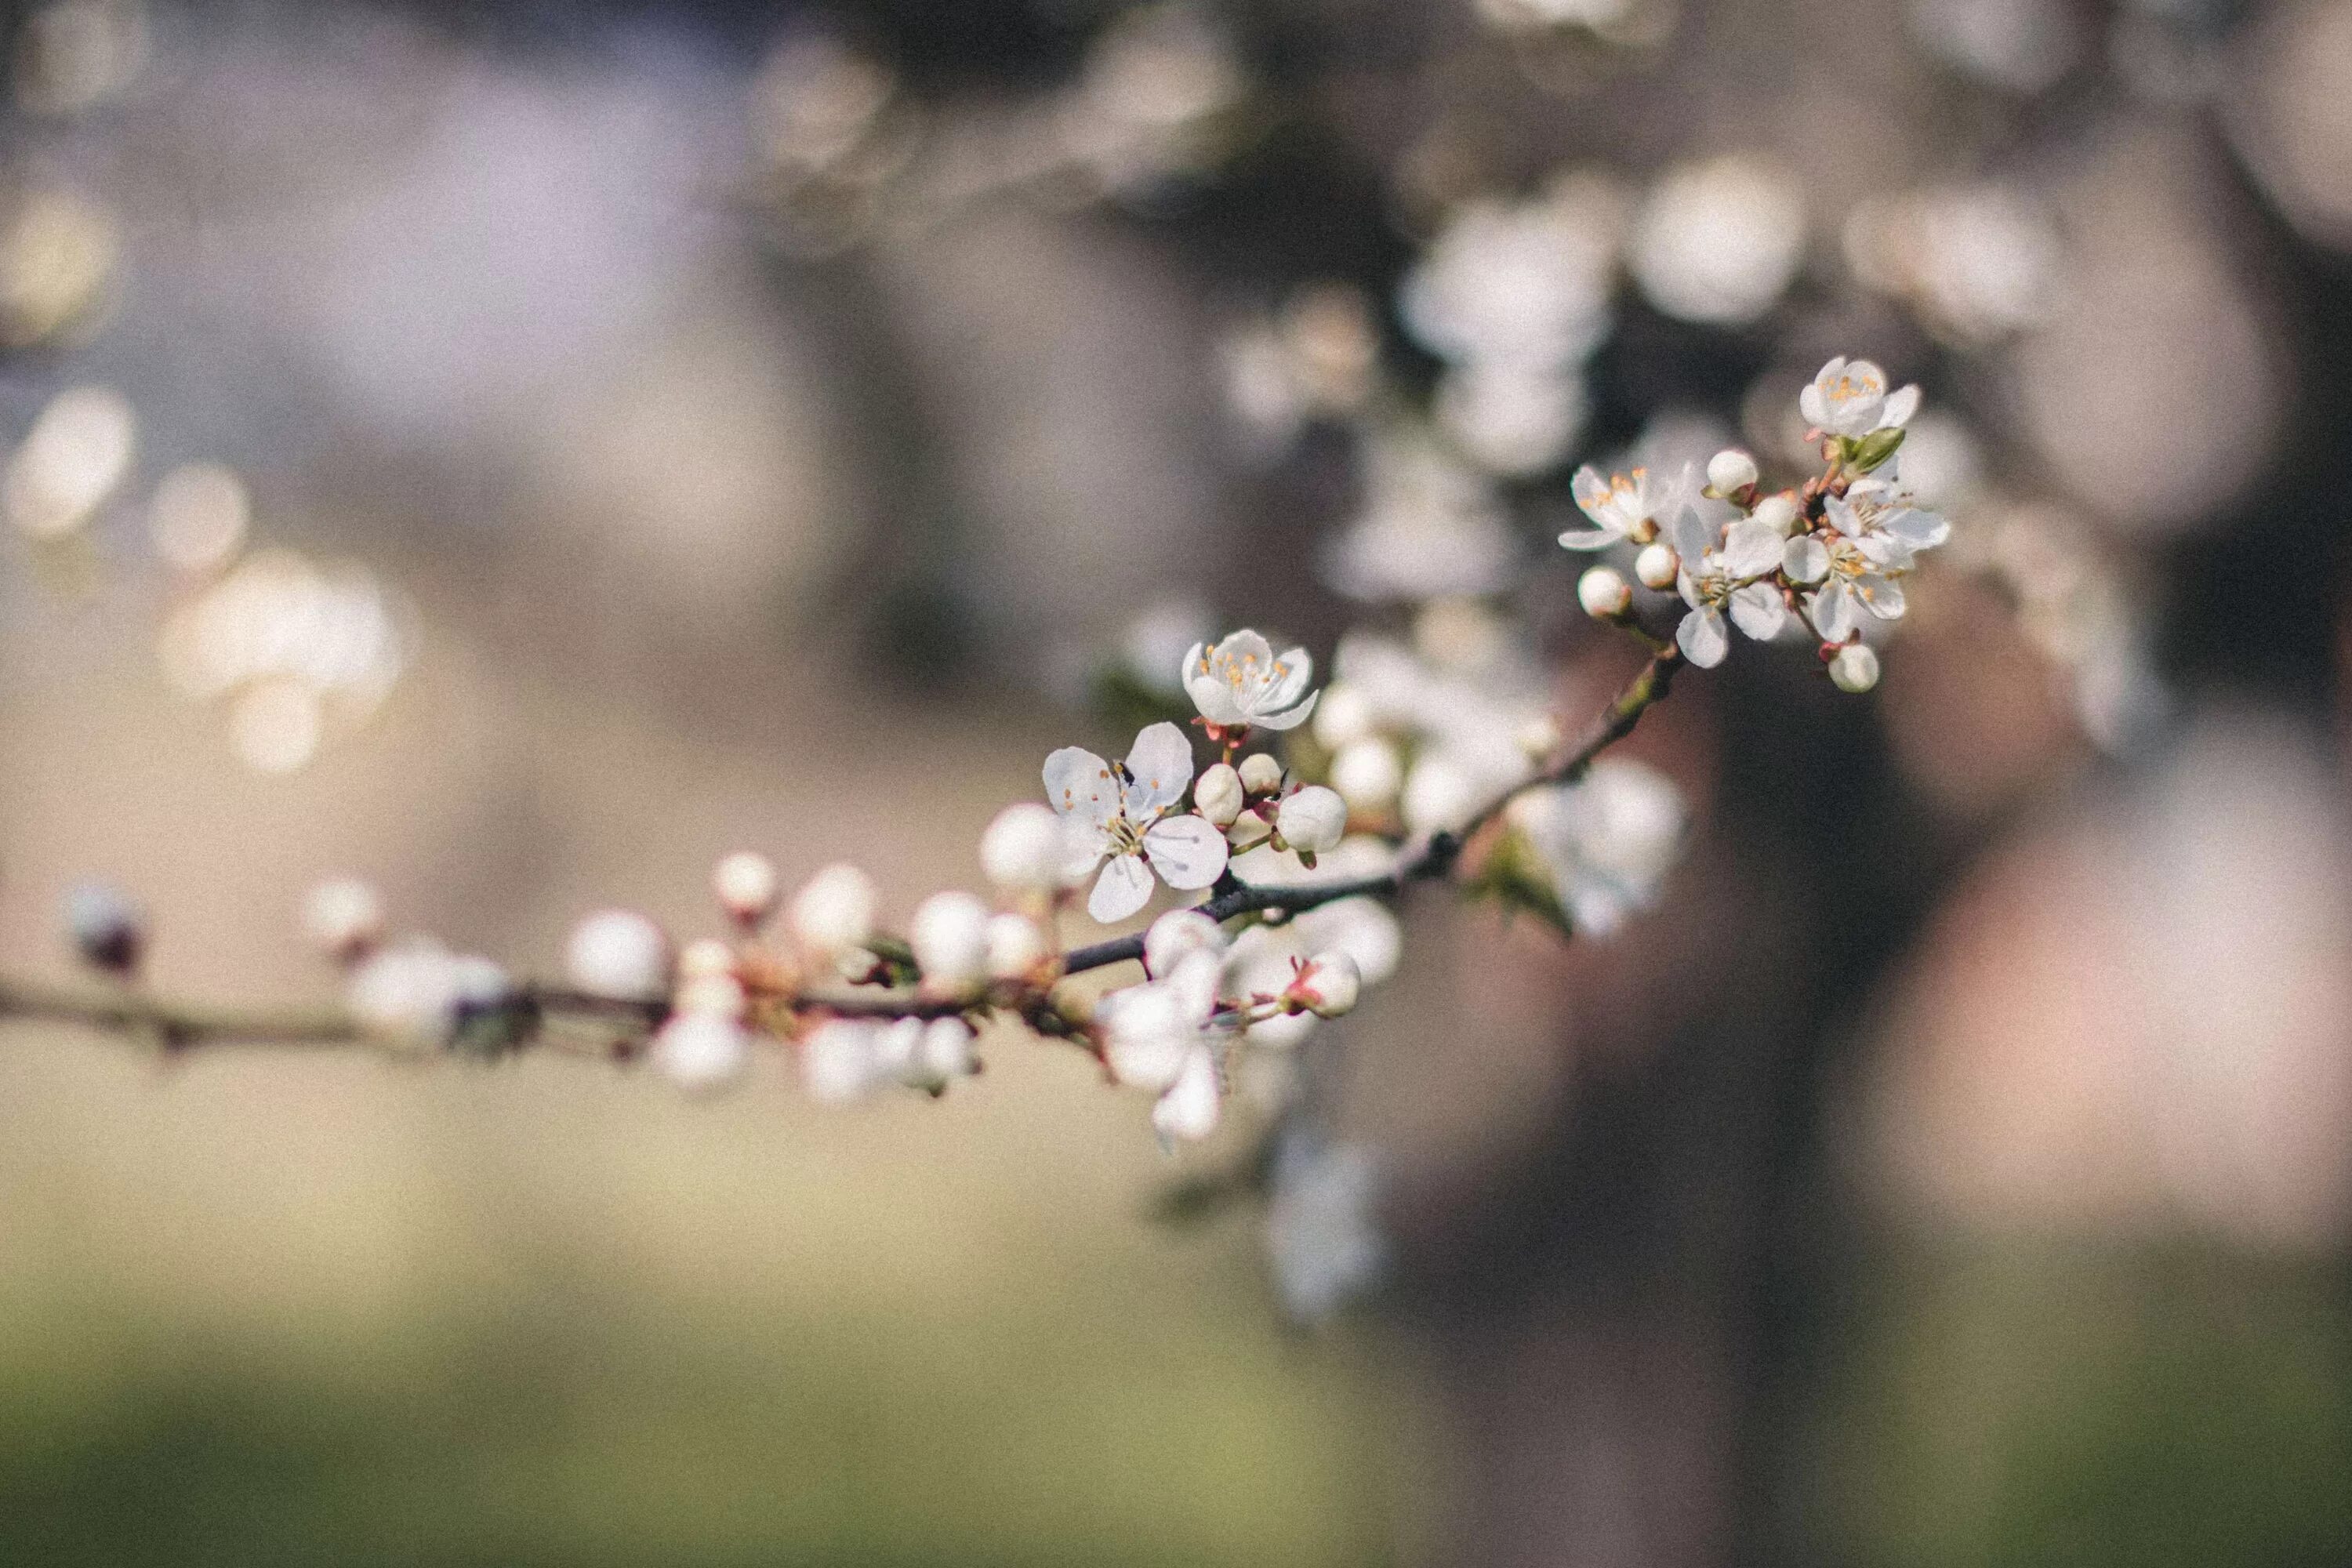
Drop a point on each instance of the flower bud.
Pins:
(833, 912)
(1175, 934)
(1248, 829)
(704, 957)
(106, 928)
(939, 1056)
(702, 1053)
(1344, 716)
(1366, 773)
(1015, 947)
(1779, 509)
(1326, 984)
(949, 936)
(408, 991)
(619, 953)
(1604, 592)
(1260, 773)
(1854, 667)
(1217, 793)
(344, 918)
(1731, 470)
(1657, 566)
(1024, 849)
(1312, 819)
(747, 886)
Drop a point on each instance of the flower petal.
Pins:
(1758, 610)
(1751, 548)
(1187, 851)
(1806, 559)
(1159, 769)
(1691, 535)
(1882, 597)
(1919, 529)
(1589, 539)
(1900, 407)
(1190, 1109)
(1831, 611)
(1288, 718)
(1701, 639)
(1078, 784)
(1293, 673)
(1124, 886)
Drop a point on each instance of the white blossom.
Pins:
(1320, 1234)
(1368, 774)
(1312, 819)
(1192, 1105)
(619, 953)
(1718, 575)
(1241, 682)
(1849, 398)
(1620, 507)
(1609, 839)
(846, 1059)
(1167, 1035)
(1872, 536)
(702, 1051)
(1176, 935)
(1124, 815)
(949, 934)
(1015, 946)
(1026, 847)
(1346, 714)
(834, 911)
(1327, 984)
(1365, 928)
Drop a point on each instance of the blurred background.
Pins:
(520, 452)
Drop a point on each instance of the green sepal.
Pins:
(1868, 452)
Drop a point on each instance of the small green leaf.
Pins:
(1863, 455)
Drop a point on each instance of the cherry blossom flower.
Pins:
(1849, 398)
(1622, 507)
(1241, 682)
(1123, 811)
(1721, 576)
(1168, 1036)
(1873, 536)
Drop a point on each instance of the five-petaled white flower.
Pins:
(1719, 568)
(1241, 682)
(1874, 533)
(1849, 398)
(1122, 810)
(1619, 506)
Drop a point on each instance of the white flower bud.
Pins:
(1344, 716)
(720, 995)
(408, 991)
(344, 918)
(1175, 934)
(1015, 947)
(618, 953)
(704, 957)
(1854, 667)
(702, 1052)
(1024, 849)
(833, 912)
(1312, 819)
(1248, 829)
(949, 936)
(747, 886)
(1260, 773)
(1366, 773)
(106, 928)
(842, 1060)
(1657, 566)
(1327, 984)
(1730, 470)
(1217, 793)
(939, 1056)
(1780, 510)
(1604, 592)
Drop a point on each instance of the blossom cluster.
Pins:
(1828, 557)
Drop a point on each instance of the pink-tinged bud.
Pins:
(1604, 592)
(1312, 819)
(1326, 984)
(748, 886)
(1260, 773)
(1657, 566)
(344, 918)
(1217, 793)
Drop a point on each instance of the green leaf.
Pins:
(1863, 455)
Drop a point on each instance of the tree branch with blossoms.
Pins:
(1298, 873)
